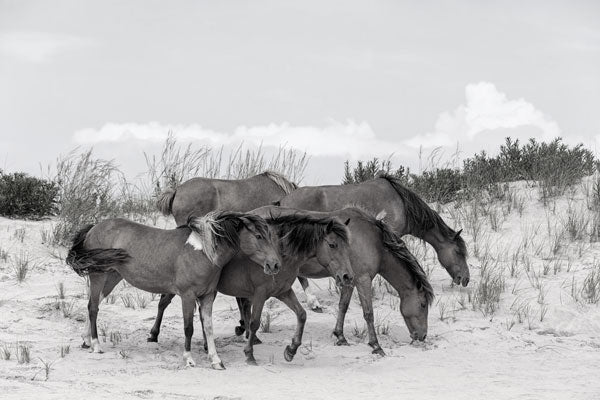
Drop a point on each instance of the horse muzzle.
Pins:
(272, 268)
(344, 279)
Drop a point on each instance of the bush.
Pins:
(24, 196)
(554, 166)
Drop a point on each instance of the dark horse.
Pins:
(376, 249)
(406, 213)
(303, 237)
(186, 261)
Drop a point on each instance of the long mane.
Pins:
(301, 233)
(420, 217)
(281, 181)
(221, 228)
(397, 247)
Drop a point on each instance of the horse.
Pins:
(406, 212)
(376, 249)
(302, 236)
(186, 261)
(199, 196)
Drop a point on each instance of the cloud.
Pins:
(37, 47)
(486, 109)
(349, 139)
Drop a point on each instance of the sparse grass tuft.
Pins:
(5, 351)
(21, 265)
(23, 353)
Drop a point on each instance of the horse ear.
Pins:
(276, 203)
(457, 234)
(347, 221)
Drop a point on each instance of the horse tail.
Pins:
(165, 201)
(84, 261)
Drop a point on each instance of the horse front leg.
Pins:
(165, 300)
(311, 300)
(258, 302)
(206, 304)
(188, 304)
(290, 300)
(345, 297)
(366, 301)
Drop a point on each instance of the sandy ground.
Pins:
(467, 355)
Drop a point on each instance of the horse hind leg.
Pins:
(257, 307)
(311, 300)
(112, 279)
(97, 282)
(165, 300)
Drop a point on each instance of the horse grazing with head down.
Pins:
(186, 261)
(320, 238)
(376, 249)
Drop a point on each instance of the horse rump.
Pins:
(85, 261)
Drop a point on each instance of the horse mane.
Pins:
(301, 233)
(420, 217)
(221, 228)
(281, 181)
(397, 247)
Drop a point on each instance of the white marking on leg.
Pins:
(87, 330)
(311, 299)
(188, 360)
(95, 348)
(194, 241)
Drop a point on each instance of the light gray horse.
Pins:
(186, 261)
(375, 249)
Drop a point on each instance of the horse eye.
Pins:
(423, 305)
(332, 245)
(259, 237)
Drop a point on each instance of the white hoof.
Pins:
(95, 347)
(188, 360)
(313, 302)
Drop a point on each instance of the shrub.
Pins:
(24, 196)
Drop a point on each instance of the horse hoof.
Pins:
(251, 361)
(288, 354)
(257, 340)
(205, 347)
(85, 346)
(239, 330)
(318, 309)
(342, 342)
(379, 351)
(152, 339)
(218, 366)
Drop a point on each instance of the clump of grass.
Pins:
(124, 354)
(61, 290)
(19, 234)
(47, 367)
(67, 308)
(3, 255)
(141, 300)
(128, 301)
(115, 337)
(21, 265)
(64, 350)
(488, 291)
(590, 290)
(265, 322)
(359, 333)
(5, 352)
(23, 353)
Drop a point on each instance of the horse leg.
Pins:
(247, 305)
(290, 300)
(239, 330)
(345, 297)
(112, 279)
(165, 300)
(258, 303)
(206, 304)
(204, 344)
(96, 285)
(188, 304)
(311, 299)
(366, 301)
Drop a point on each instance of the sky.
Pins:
(337, 79)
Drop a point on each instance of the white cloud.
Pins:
(37, 46)
(486, 109)
(350, 139)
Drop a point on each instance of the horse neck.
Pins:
(435, 238)
(397, 274)
(223, 255)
